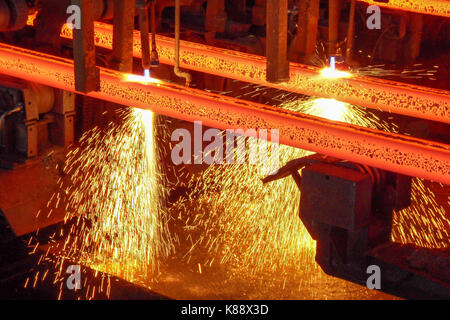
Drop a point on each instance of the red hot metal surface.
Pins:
(434, 7)
(390, 96)
(392, 152)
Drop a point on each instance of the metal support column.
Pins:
(276, 43)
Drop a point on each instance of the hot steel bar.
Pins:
(392, 152)
(433, 7)
(390, 96)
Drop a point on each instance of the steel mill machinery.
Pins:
(68, 67)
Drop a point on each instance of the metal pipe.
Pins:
(143, 26)
(393, 152)
(176, 68)
(351, 32)
(3, 118)
(155, 57)
(8, 113)
(333, 26)
(405, 99)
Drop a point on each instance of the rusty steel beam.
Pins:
(308, 27)
(433, 7)
(276, 41)
(87, 74)
(144, 29)
(350, 32)
(389, 96)
(393, 152)
(122, 35)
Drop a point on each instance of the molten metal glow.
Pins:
(425, 223)
(255, 228)
(392, 152)
(396, 97)
(248, 225)
(329, 109)
(145, 79)
(330, 73)
(252, 228)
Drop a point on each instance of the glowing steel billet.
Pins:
(390, 96)
(434, 7)
(392, 152)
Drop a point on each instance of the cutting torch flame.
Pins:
(147, 74)
(145, 79)
(332, 73)
(333, 63)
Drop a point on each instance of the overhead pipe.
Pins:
(142, 7)
(176, 68)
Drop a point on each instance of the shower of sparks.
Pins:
(328, 108)
(425, 223)
(255, 227)
(243, 222)
(417, 71)
(113, 194)
(229, 217)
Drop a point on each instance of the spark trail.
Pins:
(256, 228)
(114, 202)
